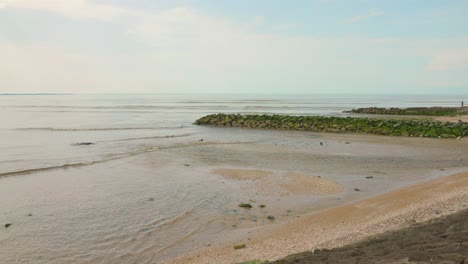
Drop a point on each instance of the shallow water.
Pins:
(131, 198)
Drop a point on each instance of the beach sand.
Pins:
(441, 240)
(347, 224)
(453, 119)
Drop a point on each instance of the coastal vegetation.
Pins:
(424, 111)
(389, 127)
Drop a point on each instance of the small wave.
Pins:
(118, 107)
(155, 137)
(114, 156)
(62, 166)
(98, 129)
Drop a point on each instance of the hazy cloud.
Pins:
(184, 50)
(81, 9)
(449, 60)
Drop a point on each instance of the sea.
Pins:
(64, 210)
(39, 131)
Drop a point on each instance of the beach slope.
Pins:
(347, 224)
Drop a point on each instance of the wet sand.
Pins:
(346, 224)
(284, 183)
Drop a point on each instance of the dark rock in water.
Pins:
(83, 144)
(270, 217)
(321, 143)
(370, 177)
(29, 214)
(187, 165)
(151, 199)
(7, 225)
(357, 190)
(262, 206)
(201, 139)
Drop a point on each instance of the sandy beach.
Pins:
(453, 119)
(343, 225)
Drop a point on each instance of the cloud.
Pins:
(183, 50)
(449, 60)
(30, 67)
(373, 12)
(79, 9)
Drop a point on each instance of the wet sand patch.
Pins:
(242, 174)
(283, 183)
(305, 184)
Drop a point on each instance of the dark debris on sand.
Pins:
(443, 240)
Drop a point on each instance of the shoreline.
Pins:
(208, 180)
(346, 224)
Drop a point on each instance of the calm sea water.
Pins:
(39, 131)
(107, 204)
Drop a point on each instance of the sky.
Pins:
(234, 46)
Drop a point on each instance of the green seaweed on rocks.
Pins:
(425, 111)
(361, 125)
(239, 246)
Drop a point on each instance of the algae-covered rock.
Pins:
(424, 111)
(408, 128)
(239, 246)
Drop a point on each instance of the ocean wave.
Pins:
(117, 107)
(34, 170)
(98, 129)
(153, 137)
(115, 156)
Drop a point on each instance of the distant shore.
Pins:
(415, 111)
(348, 224)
